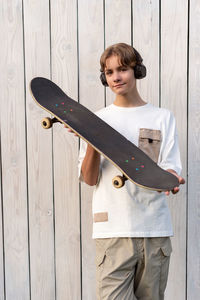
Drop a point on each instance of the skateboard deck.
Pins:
(132, 162)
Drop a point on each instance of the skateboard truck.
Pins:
(119, 181)
(48, 122)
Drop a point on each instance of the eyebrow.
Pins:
(119, 67)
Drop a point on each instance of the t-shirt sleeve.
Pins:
(82, 152)
(170, 154)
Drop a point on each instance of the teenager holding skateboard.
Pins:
(131, 226)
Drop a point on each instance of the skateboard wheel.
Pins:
(46, 123)
(118, 181)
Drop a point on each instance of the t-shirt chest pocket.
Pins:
(150, 142)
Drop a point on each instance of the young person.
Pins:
(132, 225)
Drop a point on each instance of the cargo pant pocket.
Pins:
(100, 259)
(102, 246)
(166, 249)
(150, 142)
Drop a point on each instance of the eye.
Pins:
(108, 72)
(123, 69)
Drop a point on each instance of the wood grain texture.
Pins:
(193, 261)
(2, 292)
(91, 92)
(39, 148)
(174, 97)
(65, 151)
(146, 41)
(13, 148)
(117, 29)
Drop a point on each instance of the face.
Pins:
(120, 78)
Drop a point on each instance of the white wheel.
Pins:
(46, 123)
(118, 181)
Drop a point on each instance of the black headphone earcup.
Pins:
(103, 79)
(140, 71)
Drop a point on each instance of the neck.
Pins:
(132, 100)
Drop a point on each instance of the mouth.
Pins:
(118, 85)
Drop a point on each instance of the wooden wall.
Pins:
(46, 250)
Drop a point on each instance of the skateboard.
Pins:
(131, 161)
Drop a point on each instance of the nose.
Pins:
(116, 77)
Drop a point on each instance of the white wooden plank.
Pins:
(37, 58)
(1, 234)
(193, 259)
(66, 186)
(13, 148)
(174, 97)
(117, 22)
(146, 41)
(91, 43)
(117, 28)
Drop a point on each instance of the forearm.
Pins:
(90, 166)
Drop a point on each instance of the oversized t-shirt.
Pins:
(133, 211)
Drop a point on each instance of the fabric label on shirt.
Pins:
(101, 217)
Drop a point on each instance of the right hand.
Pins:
(70, 130)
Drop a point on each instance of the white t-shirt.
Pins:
(132, 211)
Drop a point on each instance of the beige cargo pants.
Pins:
(132, 268)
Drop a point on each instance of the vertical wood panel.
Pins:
(1, 232)
(117, 22)
(91, 95)
(193, 273)
(117, 28)
(66, 186)
(146, 41)
(13, 151)
(37, 58)
(174, 97)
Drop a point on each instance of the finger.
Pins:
(175, 190)
(71, 131)
(181, 180)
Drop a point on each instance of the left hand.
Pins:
(180, 179)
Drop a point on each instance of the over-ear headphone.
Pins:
(139, 69)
